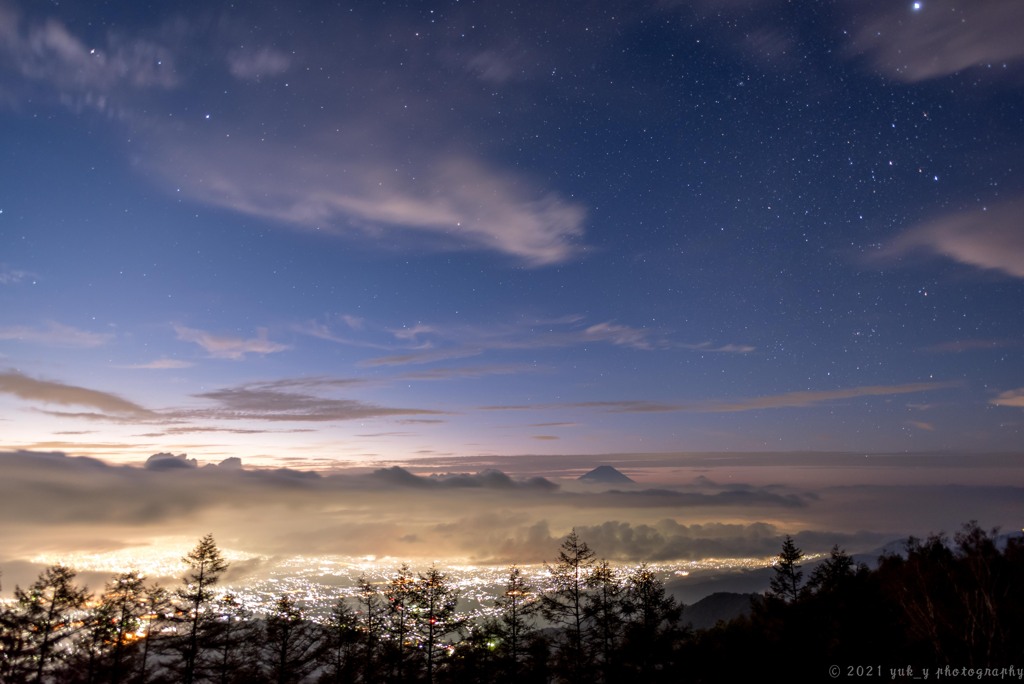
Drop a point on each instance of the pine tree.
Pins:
(434, 605)
(514, 623)
(785, 583)
(652, 622)
(48, 610)
(341, 636)
(126, 596)
(108, 646)
(564, 604)
(88, 660)
(205, 566)
(372, 617)
(157, 609)
(604, 614)
(12, 641)
(291, 645)
(400, 596)
(233, 638)
(832, 572)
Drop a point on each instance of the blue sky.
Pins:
(366, 233)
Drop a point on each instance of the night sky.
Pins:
(306, 233)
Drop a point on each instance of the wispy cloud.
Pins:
(414, 332)
(271, 402)
(196, 429)
(455, 203)
(416, 358)
(1013, 398)
(323, 331)
(161, 364)
(83, 447)
(80, 73)
(721, 349)
(436, 343)
(54, 334)
(48, 392)
(354, 322)
(759, 32)
(301, 400)
(786, 400)
(812, 398)
(493, 66)
(903, 40)
(234, 348)
(360, 183)
(259, 63)
(619, 335)
(467, 372)
(627, 406)
(606, 406)
(308, 383)
(427, 343)
(935, 38)
(13, 276)
(959, 346)
(988, 238)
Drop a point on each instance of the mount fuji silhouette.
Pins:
(605, 474)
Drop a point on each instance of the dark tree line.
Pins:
(942, 602)
(956, 602)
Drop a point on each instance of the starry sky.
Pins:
(316, 234)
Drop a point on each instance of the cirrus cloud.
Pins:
(54, 334)
(48, 392)
(1013, 397)
(457, 203)
(801, 399)
(254, 64)
(936, 38)
(235, 348)
(988, 238)
(48, 52)
(161, 364)
(280, 402)
(813, 397)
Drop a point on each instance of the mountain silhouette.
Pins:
(605, 474)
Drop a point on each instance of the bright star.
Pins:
(917, 6)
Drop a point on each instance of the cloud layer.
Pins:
(49, 502)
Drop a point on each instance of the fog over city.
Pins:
(691, 508)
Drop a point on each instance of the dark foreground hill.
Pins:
(721, 606)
